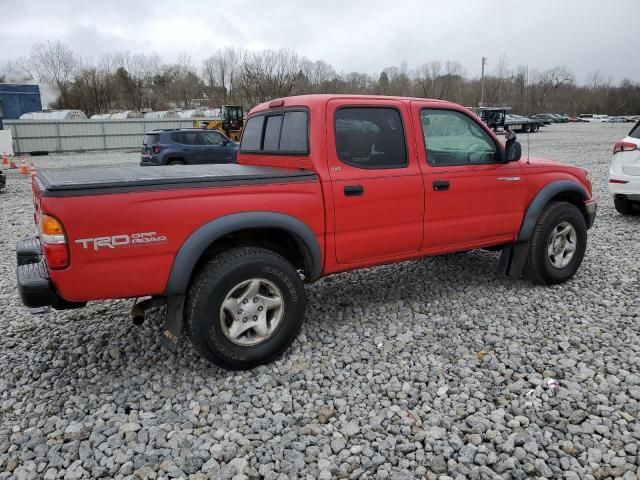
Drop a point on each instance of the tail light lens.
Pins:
(156, 149)
(624, 147)
(54, 242)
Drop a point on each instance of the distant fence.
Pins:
(79, 135)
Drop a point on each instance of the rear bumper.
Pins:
(149, 161)
(32, 276)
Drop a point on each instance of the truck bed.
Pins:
(104, 180)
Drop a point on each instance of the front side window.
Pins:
(453, 138)
(370, 137)
(212, 138)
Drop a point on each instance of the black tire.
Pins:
(538, 266)
(175, 162)
(624, 206)
(219, 278)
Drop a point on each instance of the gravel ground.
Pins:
(427, 369)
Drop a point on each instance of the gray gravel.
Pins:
(434, 368)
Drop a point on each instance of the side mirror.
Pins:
(512, 150)
(225, 142)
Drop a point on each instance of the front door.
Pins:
(473, 198)
(377, 186)
(213, 149)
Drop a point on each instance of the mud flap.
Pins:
(513, 258)
(173, 321)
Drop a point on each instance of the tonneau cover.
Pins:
(92, 181)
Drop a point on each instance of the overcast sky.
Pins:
(352, 35)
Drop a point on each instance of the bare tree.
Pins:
(54, 63)
(220, 71)
(268, 74)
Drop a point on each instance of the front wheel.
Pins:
(245, 307)
(558, 244)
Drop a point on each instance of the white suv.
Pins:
(624, 174)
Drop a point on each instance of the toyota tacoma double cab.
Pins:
(323, 184)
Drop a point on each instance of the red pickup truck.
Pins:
(323, 184)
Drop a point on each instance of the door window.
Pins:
(212, 138)
(453, 138)
(186, 138)
(370, 137)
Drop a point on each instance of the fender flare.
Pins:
(542, 198)
(195, 245)
(514, 255)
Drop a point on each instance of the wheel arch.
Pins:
(282, 233)
(560, 190)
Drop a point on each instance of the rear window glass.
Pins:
(294, 132)
(635, 131)
(284, 133)
(252, 135)
(151, 139)
(272, 133)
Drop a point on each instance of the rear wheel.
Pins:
(625, 206)
(557, 245)
(245, 307)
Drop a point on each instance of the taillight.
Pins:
(156, 149)
(624, 147)
(54, 242)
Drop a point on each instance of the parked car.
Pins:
(547, 118)
(619, 119)
(323, 184)
(187, 146)
(624, 174)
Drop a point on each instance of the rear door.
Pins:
(377, 186)
(472, 198)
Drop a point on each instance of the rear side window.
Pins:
(370, 137)
(635, 131)
(186, 138)
(282, 133)
(151, 139)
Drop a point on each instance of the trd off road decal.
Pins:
(124, 240)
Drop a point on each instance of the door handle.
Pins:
(353, 190)
(439, 185)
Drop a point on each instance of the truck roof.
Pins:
(322, 98)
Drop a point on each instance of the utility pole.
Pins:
(484, 62)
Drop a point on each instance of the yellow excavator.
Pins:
(228, 119)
